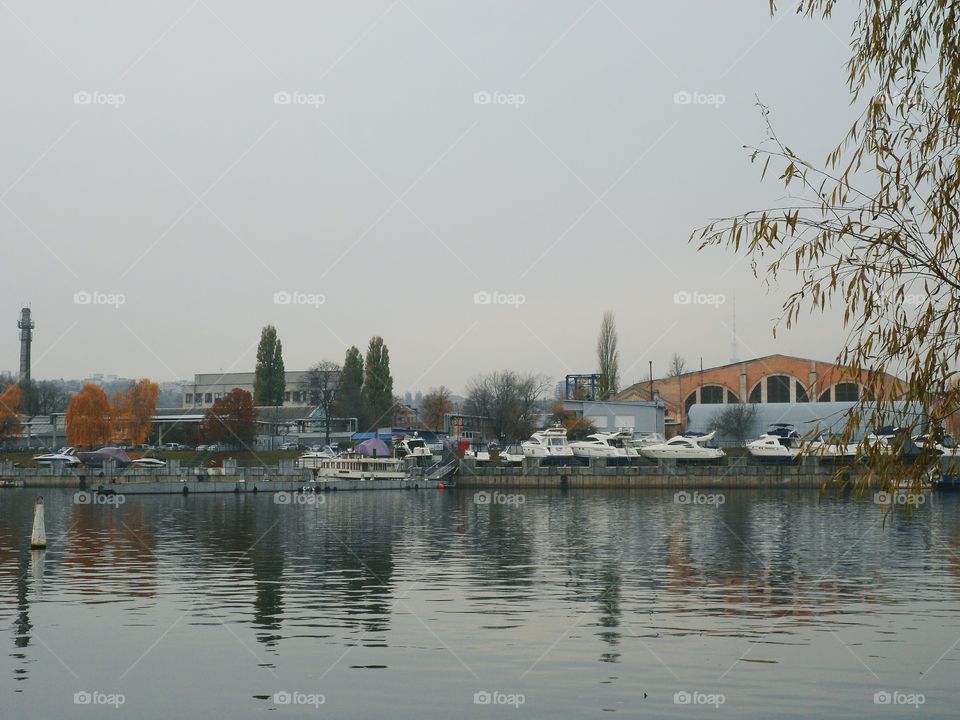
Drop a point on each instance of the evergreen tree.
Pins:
(378, 384)
(349, 396)
(269, 382)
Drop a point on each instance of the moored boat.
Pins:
(691, 446)
(548, 443)
(605, 445)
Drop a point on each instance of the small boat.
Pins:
(327, 453)
(64, 456)
(605, 445)
(148, 463)
(548, 443)
(781, 440)
(690, 446)
(97, 458)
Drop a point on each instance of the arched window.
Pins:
(778, 389)
(801, 393)
(846, 392)
(732, 397)
(824, 396)
(757, 393)
(711, 394)
(691, 399)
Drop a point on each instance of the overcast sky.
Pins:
(382, 162)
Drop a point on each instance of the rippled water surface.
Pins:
(407, 604)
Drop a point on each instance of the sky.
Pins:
(477, 182)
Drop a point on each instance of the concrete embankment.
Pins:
(731, 472)
(665, 475)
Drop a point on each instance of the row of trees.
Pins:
(367, 389)
(92, 418)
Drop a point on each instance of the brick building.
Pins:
(768, 379)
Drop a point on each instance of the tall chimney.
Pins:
(26, 326)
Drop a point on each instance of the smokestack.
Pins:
(26, 326)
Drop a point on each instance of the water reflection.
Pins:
(360, 569)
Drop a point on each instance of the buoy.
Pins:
(441, 486)
(38, 541)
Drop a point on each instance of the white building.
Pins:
(207, 388)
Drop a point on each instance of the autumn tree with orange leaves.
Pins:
(88, 417)
(232, 419)
(10, 400)
(133, 411)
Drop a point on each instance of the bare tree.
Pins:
(321, 384)
(734, 422)
(435, 405)
(677, 366)
(509, 402)
(608, 357)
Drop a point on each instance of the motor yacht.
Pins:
(64, 456)
(548, 443)
(781, 440)
(606, 445)
(690, 446)
(412, 446)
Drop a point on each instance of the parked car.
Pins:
(292, 446)
(203, 448)
(174, 446)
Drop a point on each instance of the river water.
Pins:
(413, 604)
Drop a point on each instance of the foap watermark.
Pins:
(898, 697)
(495, 697)
(495, 297)
(95, 697)
(294, 498)
(95, 97)
(297, 97)
(698, 498)
(83, 497)
(295, 697)
(295, 297)
(693, 297)
(696, 697)
(95, 297)
(695, 97)
(899, 497)
(495, 97)
(498, 498)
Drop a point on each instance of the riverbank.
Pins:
(734, 472)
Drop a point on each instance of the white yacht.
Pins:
(641, 439)
(549, 443)
(781, 440)
(692, 446)
(66, 456)
(412, 446)
(605, 444)
(824, 446)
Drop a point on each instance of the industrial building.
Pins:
(772, 379)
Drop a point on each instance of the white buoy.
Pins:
(38, 540)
